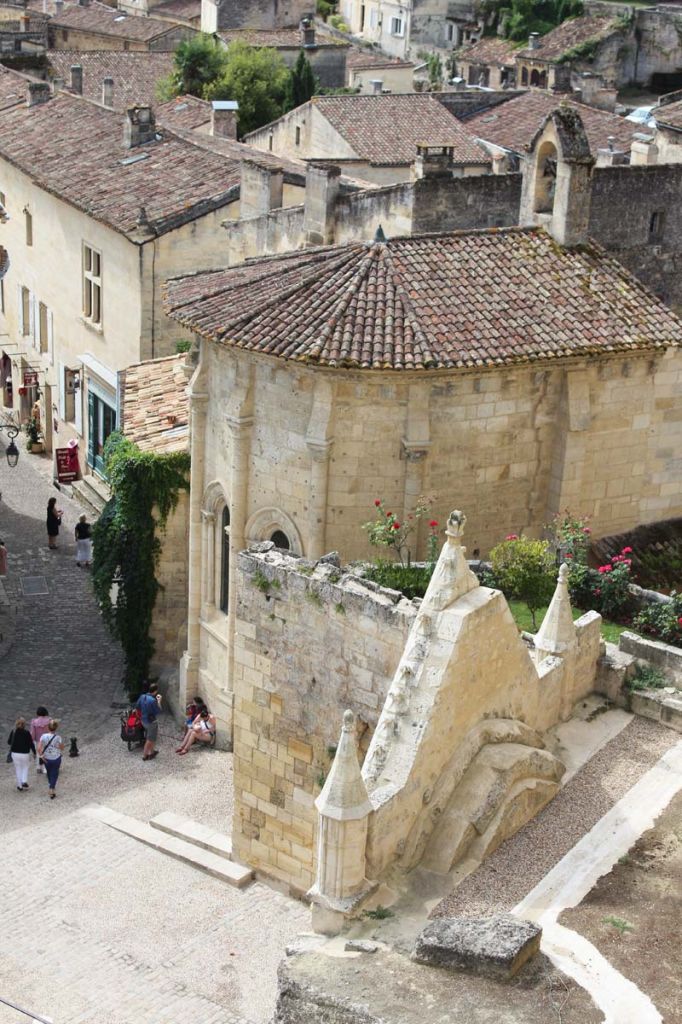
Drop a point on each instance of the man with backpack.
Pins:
(150, 704)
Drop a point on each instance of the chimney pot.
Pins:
(77, 79)
(108, 92)
(38, 92)
(224, 117)
(139, 126)
(307, 32)
(534, 41)
(434, 161)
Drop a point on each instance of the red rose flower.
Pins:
(626, 551)
(377, 502)
(433, 523)
(512, 536)
(396, 526)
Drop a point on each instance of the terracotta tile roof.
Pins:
(463, 299)
(366, 58)
(184, 113)
(183, 10)
(569, 34)
(74, 149)
(136, 74)
(669, 115)
(385, 130)
(513, 124)
(282, 37)
(109, 21)
(156, 405)
(489, 51)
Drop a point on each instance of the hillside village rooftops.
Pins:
(491, 50)
(512, 125)
(385, 130)
(565, 37)
(156, 405)
(669, 115)
(109, 21)
(436, 302)
(280, 38)
(184, 113)
(74, 149)
(136, 74)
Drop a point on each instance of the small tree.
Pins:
(434, 66)
(257, 79)
(524, 569)
(302, 83)
(387, 530)
(197, 63)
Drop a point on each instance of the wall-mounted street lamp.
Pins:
(12, 451)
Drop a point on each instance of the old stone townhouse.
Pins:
(103, 207)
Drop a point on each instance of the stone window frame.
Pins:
(215, 551)
(92, 285)
(267, 521)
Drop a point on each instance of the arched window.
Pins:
(524, 76)
(545, 178)
(535, 77)
(280, 540)
(225, 560)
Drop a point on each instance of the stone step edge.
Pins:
(193, 832)
(226, 870)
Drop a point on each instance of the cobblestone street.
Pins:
(98, 928)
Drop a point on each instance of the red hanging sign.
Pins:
(67, 464)
(30, 378)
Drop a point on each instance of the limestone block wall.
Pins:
(169, 625)
(308, 644)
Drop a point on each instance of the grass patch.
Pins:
(619, 923)
(609, 630)
(646, 677)
(380, 914)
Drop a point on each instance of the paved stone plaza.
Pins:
(97, 928)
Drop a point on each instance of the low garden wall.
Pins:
(663, 656)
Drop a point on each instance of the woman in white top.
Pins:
(50, 749)
(202, 729)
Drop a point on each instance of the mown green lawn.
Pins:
(610, 630)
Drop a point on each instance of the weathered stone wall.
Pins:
(623, 202)
(453, 204)
(260, 14)
(169, 625)
(308, 644)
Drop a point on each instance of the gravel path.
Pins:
(519, 864)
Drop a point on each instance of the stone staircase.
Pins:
(197, 845)
(92, 493)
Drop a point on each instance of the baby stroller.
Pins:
(132, 730)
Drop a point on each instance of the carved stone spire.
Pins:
(344, 796)
(452, 577)
(557, 633)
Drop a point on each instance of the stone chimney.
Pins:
(644, 151)
(433, 161)
(534, 41)
(307, 32)
(77, 79)
(377, 85)
(58, 7)
(38, 92)
(260, 189)
(57, 84)
(224, 118)
(108, 92)
(319, 215)
(139, 126)
(611, 156)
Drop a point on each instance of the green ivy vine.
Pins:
(144, 490)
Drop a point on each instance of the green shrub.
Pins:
(646, 677)
(337, 22)
(605, 590)
(410, 580)
(662, 621)
(525, 569)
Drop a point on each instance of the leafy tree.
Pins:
(257, 79)
(434, 66)
(302, 84)
(197, 62)
(525, 16)
(525, 569)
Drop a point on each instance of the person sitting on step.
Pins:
(203, 730)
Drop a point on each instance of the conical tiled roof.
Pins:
(462, 299)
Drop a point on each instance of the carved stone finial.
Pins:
(348, 721)
(455, 527)
(563, 573)
(557, 632)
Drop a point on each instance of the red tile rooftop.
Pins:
(430, 302)
(513, 124)
(104, 20)
(135, 74)
(669, 115)
(156, 404)
(489, 51)
(569, 34)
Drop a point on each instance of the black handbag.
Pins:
(8, 759)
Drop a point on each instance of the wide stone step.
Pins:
(193, 832)
(195, 856)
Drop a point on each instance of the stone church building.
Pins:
(516, 372)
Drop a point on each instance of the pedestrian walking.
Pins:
(38, 726)
(54, 521)
(50, 749)
(150, 705)
(83, 541)
(21, 747)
